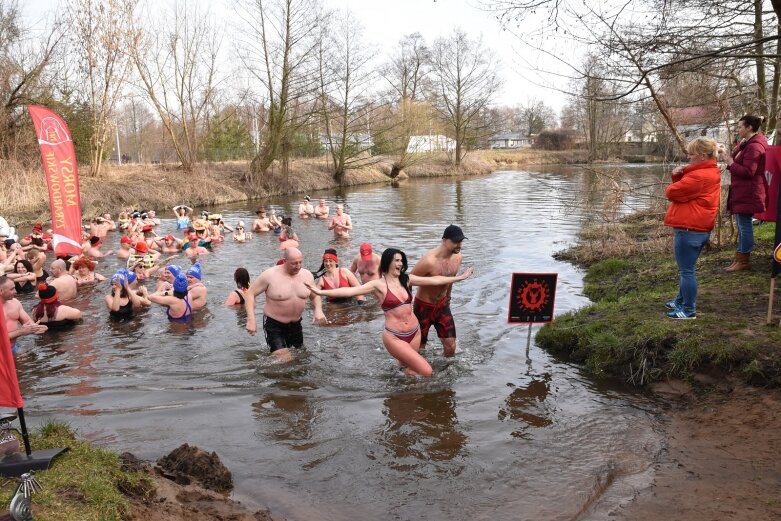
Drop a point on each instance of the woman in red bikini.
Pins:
(331, 276)
(401, 336)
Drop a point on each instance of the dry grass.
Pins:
(531, 156)
(24, 195)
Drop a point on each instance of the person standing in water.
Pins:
(402, 334)
(285, 286)
(432, 303)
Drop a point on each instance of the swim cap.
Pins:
(169, 237)
(125, 240)
(195, 271)
(180, 284)
(118, 277)
(174, 269)
(141, 247)
(131, 277)
(240, 224)
(94, 240)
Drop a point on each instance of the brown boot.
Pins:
(742, 262)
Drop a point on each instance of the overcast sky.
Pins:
(387, 21)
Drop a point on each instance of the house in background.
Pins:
(430, 143)
(510, 140)
(701, 121)
(362, 141)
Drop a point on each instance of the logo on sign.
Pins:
(777, 254)
(52, 132)
(531, 297)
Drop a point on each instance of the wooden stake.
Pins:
(770, 301)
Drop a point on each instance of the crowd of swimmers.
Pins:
(147, 259)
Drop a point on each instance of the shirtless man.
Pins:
(305, 209)
(366, 264)
(321, 210)
(286, 294)
(169, 244)
(91, 248)
(110, 225)
(261, 224)
(432, 303)
(66, 285)
(18, 321)
(341, 223)
(125, 248)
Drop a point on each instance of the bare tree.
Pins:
(535, 116)
(24, 79)
(345, 82)
(176, 61)
(465, 83)
(640, 42)
(406, 74)
(100, 31)
(278, 52)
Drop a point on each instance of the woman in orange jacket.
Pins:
(694, 197)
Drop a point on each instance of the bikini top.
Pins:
(343, 283)
(391, 301)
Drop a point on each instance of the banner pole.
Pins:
(25, 434)
(770, 300)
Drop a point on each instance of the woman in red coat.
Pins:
(694, 197)
(748, 188)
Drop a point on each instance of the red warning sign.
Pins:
(532, 296)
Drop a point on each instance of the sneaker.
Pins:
(680, 314)
(670, 304)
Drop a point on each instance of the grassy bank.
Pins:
(83, 484)
(24, 196)
(625, 334)
(529, 156)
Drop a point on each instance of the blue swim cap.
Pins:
(118, 277)
(131, 277)
(180, 284)
(195, 271)
(174, 269)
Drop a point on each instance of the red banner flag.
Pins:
(62, 178)
(773, 176)
(9, 385)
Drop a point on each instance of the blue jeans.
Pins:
(687, 246)
(745, 232)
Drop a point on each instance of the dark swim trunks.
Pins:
(280, 335)
(438, 314)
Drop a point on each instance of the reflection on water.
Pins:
(421, 428)
(527, 405)
(341, 433)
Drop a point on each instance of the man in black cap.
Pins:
(432, 303)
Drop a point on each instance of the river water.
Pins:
(340, 433)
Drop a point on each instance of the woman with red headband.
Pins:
(331, 276)
(51, 313)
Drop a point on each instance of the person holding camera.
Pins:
(748, 185)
